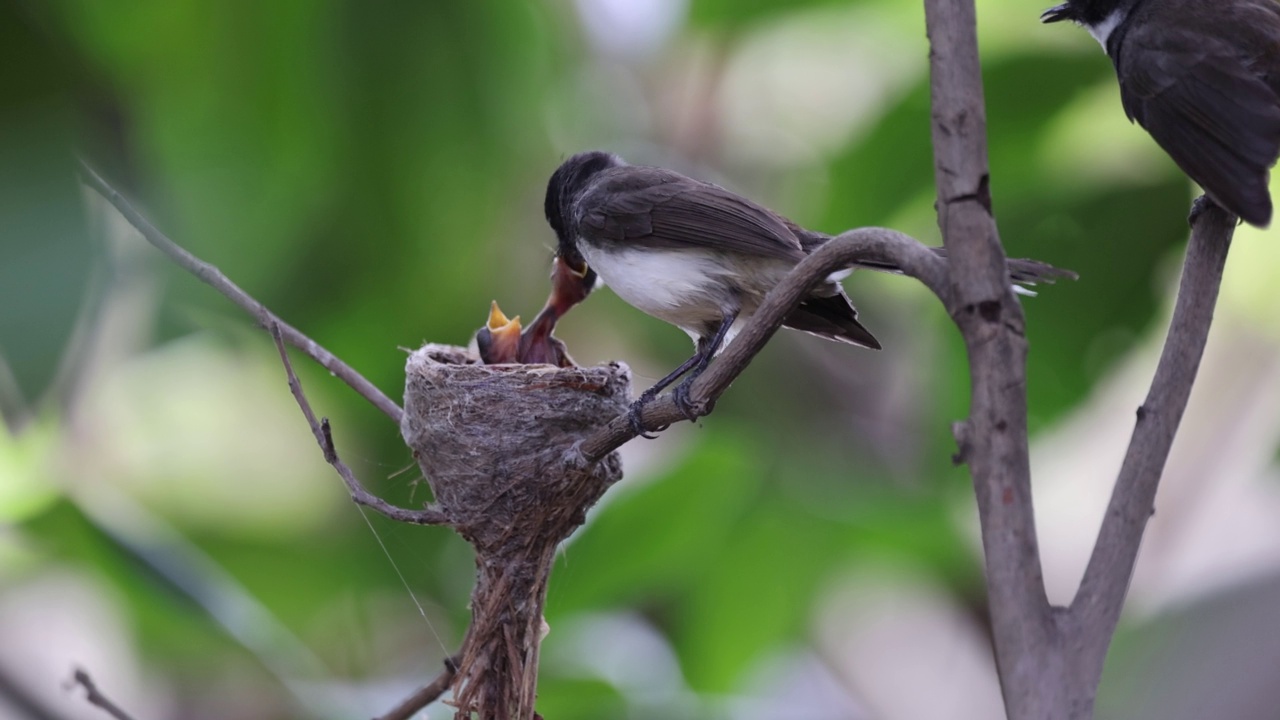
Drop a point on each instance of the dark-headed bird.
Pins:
(1203, 78)
(688, 252)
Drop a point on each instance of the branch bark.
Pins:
(993, 440)
(213, 277)
(1095, 611)
(1049, 660)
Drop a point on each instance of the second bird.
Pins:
(687, 252)
(1203, 78)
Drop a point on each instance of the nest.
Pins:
(498, 445)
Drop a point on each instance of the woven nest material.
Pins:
(493, 440)
(497, 444)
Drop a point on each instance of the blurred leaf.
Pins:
(26, 489)
(658, 539)
(884, 169)
(43, 235)
(758, 596)
(1016, 119)
(167, 622)
(736, 14)
(1117, 239)
(755, 596)
(572, 699)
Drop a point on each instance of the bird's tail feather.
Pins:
(1022, 271)
(833, 318)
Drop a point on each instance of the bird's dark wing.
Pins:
(1203, 103)
(653, 207)
(832, 317)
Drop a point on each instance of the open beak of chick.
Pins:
(499, 340)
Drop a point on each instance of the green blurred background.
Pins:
(374, 172)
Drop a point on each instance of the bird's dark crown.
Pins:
(567, 182)
(1085, 12)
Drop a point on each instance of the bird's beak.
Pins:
(1058, 13)
(499, 321)
(571, 283)
(579, 271)
(499, 340)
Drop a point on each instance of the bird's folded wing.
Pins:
(1202, 102)
(674, 212)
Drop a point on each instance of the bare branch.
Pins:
(875, 245)
(324, 438)
(425, 695)
(95, 696)
(1096, 607)
(993, 440)
(213, 277)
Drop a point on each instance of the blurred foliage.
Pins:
(373, 172)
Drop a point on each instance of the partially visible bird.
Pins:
(498, 342)
(1203, 78)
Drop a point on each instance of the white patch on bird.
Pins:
(1103, 30)
(678, 286)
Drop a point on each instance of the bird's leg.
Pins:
(648, 395)
(707, 349)
(1199, 205)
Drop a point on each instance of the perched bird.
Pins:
(687, 252)
(1203, 78)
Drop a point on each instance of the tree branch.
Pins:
(324, 438)
(993, 440)
(95, 696)
(425, 695)
(213, 277)
(878, 245)
(1095, 611)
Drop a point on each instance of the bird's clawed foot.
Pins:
(691, 410)
(633, 415)
(1198, 206)
(680, 396)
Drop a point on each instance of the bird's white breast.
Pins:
(679, 286)
(1103, 30)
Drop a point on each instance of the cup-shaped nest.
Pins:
(497, 442)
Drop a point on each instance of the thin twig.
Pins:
(425, 695)
(95, 696)
(324, 438)
(1096, 607)
(213, 277)
(993, 439)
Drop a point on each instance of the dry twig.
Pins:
(428, 694)
(95, 696)
(324, 438)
